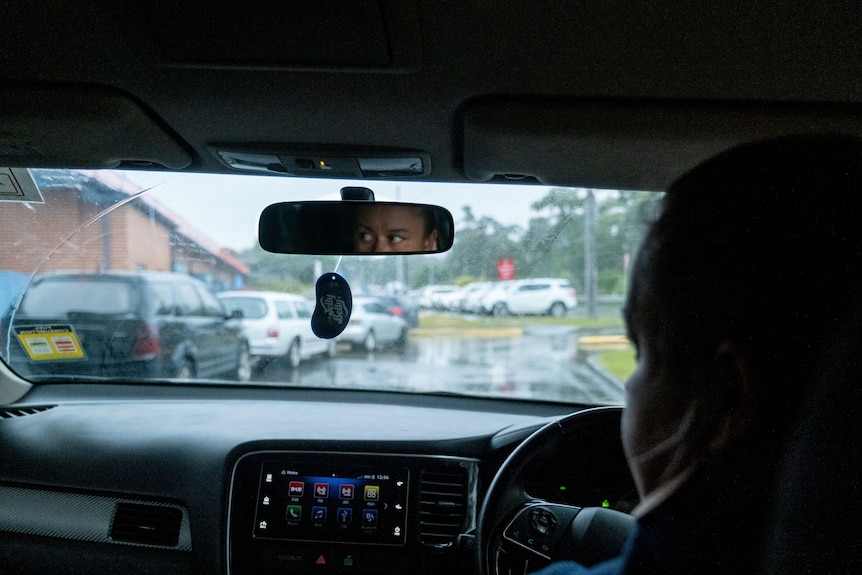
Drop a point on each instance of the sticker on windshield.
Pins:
(50, 342)
(16, 185)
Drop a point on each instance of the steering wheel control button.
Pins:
(535, 527)
(542, 521)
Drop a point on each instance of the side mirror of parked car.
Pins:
(355, 228)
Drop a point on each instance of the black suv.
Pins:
(124, 324)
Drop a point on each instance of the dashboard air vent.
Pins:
(146, 524)
(442, 505)
(14, 412)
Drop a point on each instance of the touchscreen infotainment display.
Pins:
(332, 503)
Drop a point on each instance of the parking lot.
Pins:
(538, 362)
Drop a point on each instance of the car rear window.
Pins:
(303, 309)
(251, 307)
(284, 310)
(57, 298)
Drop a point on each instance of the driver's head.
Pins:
(750, 263)
(395, 228)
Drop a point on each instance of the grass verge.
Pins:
(446, 321)
(618, 362)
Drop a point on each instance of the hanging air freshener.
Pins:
(333, 304)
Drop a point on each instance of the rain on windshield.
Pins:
(104, 281)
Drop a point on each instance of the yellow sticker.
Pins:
(50, 342)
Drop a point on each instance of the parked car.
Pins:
(373, 326)
(551, 296)
(430, 295)
(494, 301)
(277, 325)
(126, 325)
(539, 296)
(448, 301)
(468, 296)
(404, 306)
(473, 301)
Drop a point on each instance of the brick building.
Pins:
(130, 234)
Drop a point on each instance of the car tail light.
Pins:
(572, 292)
(396, 310)
(146, 343)
(272, 333)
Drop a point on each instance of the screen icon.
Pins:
(369, 517)
(294, 512)
(372, 492)
(345, 516)
(321, 490)
(346, 491)
(318, 514)
(296, 488)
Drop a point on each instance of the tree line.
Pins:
(551, 245)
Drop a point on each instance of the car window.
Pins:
(251, 307)
(209, 303)
(57, 298)
(284, 309)
(189, 300)
(303, 310)
(163, 298)
(374, 307)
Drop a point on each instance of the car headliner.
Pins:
(602, 93)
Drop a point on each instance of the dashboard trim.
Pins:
(75, 516)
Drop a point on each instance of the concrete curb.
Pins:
(470, 332)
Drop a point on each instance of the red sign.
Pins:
(505, 270)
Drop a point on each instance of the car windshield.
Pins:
(159, 249)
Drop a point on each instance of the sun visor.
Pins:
(81, 127)
(558, 143)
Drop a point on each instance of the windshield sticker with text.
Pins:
(50, 342)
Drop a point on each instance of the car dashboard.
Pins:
(210, 479)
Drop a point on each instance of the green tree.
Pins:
(555, 244)
(479, 244)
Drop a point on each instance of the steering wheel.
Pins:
(518, 533)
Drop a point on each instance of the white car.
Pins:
(277, 325)
(429, 297)
(372, 326)
(471, 295)
(494, 301)
(450, 300)
(538, 296)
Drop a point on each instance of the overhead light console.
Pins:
(326, 163)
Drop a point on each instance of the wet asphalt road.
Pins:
(541, 363)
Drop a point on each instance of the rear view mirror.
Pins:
(355, 228)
